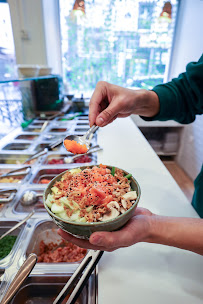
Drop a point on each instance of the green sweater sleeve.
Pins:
(182, 98)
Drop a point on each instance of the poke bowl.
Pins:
(103, 212)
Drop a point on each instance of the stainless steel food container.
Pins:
(46, 173)
(6, 224)
(14, 179)
(27, 136)
(49, 159)
(12, 158)
(13, 146)
(21, 209)
(44, 289)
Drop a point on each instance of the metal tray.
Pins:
(59, 130)
(81, 129)
(16, 146)
(5, 225)
(14, 178)
(44, 290)
(15, 159)
(48, 174)
(83, 123)
(19, 208)
(27, 136)
(44, 145)
(52, 137)
(3, 282)
(33, 129)
(45, 231)
(58, 159)
(37, 124)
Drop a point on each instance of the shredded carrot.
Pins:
(74, 147)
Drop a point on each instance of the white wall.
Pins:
(39, 20)
(52, 34)
(27, 18)
(188, 47)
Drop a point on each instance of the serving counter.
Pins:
(141, 273)
(147, 273)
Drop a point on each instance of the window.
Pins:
(7, 51)
(124, 42)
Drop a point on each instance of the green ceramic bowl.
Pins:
(84, 230)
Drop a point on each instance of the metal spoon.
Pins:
(17, 225)
(70, 159)
(30, 198)
(13, 172)
(12, 193)
(44, 126)
(85, 139)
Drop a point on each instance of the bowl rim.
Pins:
(89, 224)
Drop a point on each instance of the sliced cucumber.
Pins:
(82, 220)
(56, 208)
(89, 209)
(75, 171)
(75, 216)
(64, 200)
(71, 204)
(55, 190)
(49, 200)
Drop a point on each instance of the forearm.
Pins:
(184, 233)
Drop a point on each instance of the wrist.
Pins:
(147, 103)
(154, 228)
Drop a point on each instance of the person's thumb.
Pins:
(107, 116)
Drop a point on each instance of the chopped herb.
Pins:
(113, 171)
(6, 244)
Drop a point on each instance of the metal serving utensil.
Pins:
(83, 272)
(5, 200)
(85, 139)
(20, 277)
(17, 225)
(44, 151)
(45, 124)
(30, 197)
(13, 172)
(70, 159)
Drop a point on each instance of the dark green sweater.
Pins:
(181, 100)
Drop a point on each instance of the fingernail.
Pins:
(96, 240)
(100, 121)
